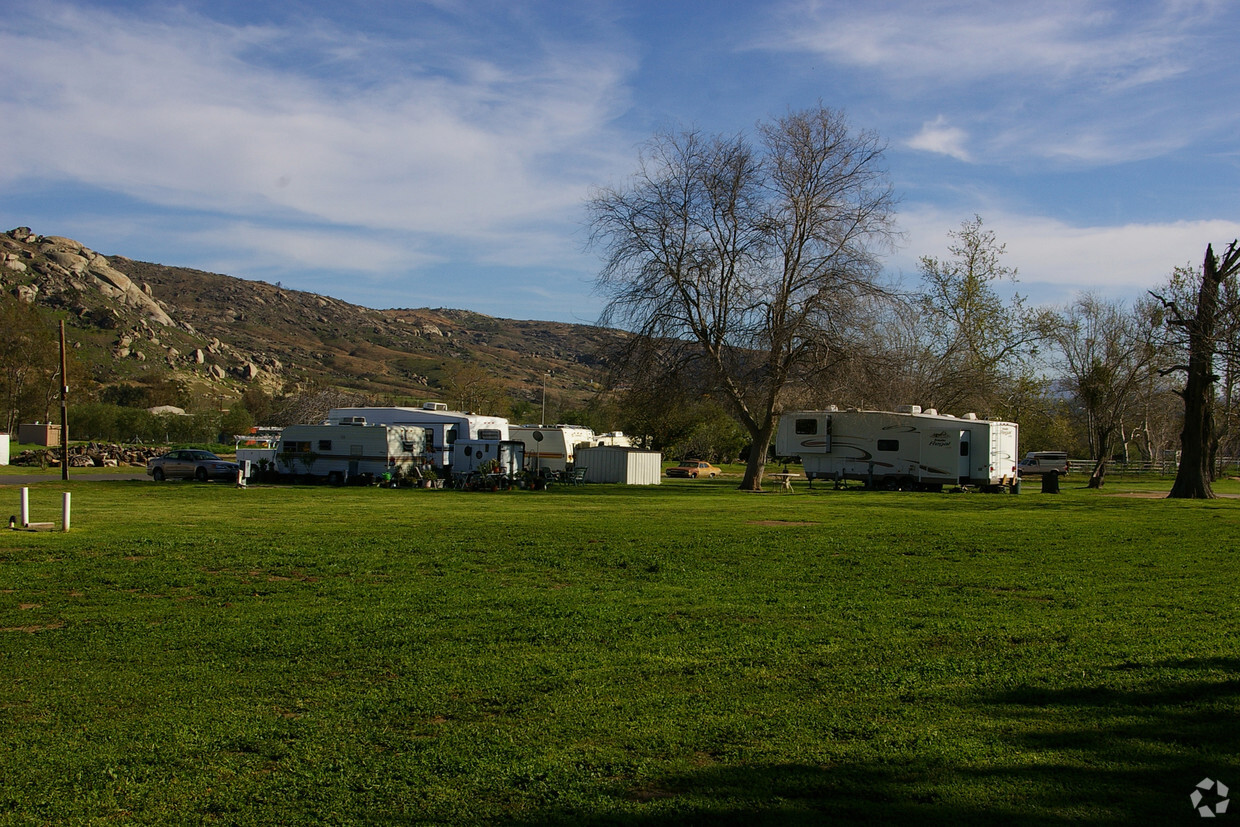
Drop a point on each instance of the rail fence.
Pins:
(1224, 467)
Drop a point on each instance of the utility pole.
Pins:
(64, 408)
(542, 419)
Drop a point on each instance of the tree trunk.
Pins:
(1192, 480)
(757, 457)
(1098, 477)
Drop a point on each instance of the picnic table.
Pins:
(785, 480)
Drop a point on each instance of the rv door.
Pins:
(964, 457)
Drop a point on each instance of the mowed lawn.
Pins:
(685, 653)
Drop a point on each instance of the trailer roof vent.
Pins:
(435, 406)
(932, 412)
(913, 409)
(353, 420)
(969, 415)
(831, 409)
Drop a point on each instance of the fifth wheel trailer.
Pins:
(441, 426)
(907, 448)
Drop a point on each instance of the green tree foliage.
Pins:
(104, 422)
(978, 345)
(29, 363)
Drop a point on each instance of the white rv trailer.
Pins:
(907, 448)
(442, 426)
(504, 456)
(551, 447)
(339, 452)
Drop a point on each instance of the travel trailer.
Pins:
(504, 457)
(907, 448)
(442, 427)
(551, 447)
(345, 451)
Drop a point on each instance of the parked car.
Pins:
(191, 463)
(1043, 462)
(694, 468)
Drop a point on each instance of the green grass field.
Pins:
(685, 653)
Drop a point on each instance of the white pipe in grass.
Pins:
(64, 513)
(25, 509)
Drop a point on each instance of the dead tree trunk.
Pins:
(1192, 480)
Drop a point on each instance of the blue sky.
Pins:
(407, 154)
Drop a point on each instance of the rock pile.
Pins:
(92, 455)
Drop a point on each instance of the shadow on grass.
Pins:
(1081, 754)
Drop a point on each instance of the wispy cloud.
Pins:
(1067, 65)
(938, 137)
(185, 112)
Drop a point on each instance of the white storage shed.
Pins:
(608, 463)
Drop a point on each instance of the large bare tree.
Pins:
(739, 264)
(1109, 352)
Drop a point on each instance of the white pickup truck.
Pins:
(1043, 462)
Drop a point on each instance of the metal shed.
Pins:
(608, 463)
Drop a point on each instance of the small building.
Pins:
(631, 466)
(38, 433)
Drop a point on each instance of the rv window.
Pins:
(889, 445)
(964, 448)
(449, 435)
(407, 446)
(807, 426)
(488, 433)
(429, 437)
(297, 447)
(325, 444)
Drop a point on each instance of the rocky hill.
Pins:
(127, 320)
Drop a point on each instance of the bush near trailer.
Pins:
(611, 654)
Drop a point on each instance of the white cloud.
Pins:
(921, 43)
(1056, 260)
(937, 137)
(184, 112)
(1077, 81)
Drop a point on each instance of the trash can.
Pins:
(1050, 482)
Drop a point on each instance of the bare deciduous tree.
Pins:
(740, 265)
(472, 388)
(1108, 352)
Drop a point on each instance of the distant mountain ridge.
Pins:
(128, 318)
